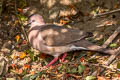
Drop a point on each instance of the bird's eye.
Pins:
(33, 20)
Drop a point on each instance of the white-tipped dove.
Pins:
(55, 40)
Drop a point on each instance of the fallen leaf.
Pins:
(17, 38)
(15, 23)
(20, 10)
(11, 78)
(72, 6)
(116, 6)
(67, 75)
(118, 75)
(24, 42)
(32, 72)
(22, 55)
(26, 66)
(14, 57)
(20, 71)
(81, 68)
(13, 66)
(113, 45)
(63, 21)
(101, 78)
(42, 55)
(90, 78)
(82, 59)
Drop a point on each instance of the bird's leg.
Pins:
(55, 59)
(63, 57)
(52, 62)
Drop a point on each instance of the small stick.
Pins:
(110, 12)
(1, 4)
(112, 57)
(24, 32)
(111, 38)
(109, 61)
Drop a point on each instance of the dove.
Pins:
(55, 40)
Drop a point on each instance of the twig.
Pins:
(94, 17)
(108, 41)
(102, 65)
(1, 3)
(110, 12)
(111, 38)
(109, 61)
(24, 32)
(75, 76)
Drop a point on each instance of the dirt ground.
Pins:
(70, 13)
(80, 10)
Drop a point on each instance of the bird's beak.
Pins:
(28, 24)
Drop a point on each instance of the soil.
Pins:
(73, 14)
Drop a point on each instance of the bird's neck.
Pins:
(37, 24)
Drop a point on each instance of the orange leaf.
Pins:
(24, 42)
(82, 59)
(20, 71)
(118, 75)
(26, 66)
(43, 55)
(63, 22)
(22, 55)
(32, 72)
(20, 10)
(72, 6)
(13, 65)
(87, 69)
(116, 6)
(67, 75)
(15, 23)
(17, 38)
(101, 78)
(107, 22)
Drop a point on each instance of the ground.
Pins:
(19, 60)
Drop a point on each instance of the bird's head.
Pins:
(35, 20)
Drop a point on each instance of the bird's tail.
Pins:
(88, 46)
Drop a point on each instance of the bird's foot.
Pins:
(63, 57)
(52, 62)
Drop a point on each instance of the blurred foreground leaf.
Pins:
(90, 78)
(33, 77)
(31, 53)
(113, 45)
(81, 68)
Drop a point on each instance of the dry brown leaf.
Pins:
(43, 56)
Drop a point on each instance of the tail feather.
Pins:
(88, 46)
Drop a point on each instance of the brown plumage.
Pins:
(55, 40)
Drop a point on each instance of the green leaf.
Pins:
(81, 68)
(113, 45)
(92, 60)
(23, 18)
(74, 70)
(32, 77)
(90, 78)
(60, 67)
(31, 53)
(118, 65)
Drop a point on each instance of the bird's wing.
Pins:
(54, 35)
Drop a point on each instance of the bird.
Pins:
(55, 40)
